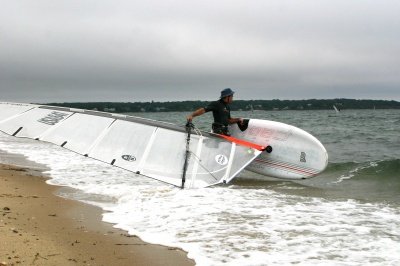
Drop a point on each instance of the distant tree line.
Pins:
(187, 106)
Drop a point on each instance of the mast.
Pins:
(189, 127)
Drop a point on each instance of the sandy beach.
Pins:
(39, 228)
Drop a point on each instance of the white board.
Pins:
(296, 154)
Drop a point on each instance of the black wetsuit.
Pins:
(222, 114)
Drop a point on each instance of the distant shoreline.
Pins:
(237, 105)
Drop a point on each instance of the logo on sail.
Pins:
(303, 157)
(53, 118)
(129, 158)
(221, 159)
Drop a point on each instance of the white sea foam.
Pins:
(354, 171)
(228, 225)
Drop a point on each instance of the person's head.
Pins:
(227, 95)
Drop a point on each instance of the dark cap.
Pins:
(226, 92)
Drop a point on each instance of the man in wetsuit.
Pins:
(221, 112)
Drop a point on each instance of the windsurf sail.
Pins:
(146, 147)
(336, 109)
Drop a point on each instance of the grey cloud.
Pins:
(167, 50)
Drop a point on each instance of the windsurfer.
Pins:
(221, 113)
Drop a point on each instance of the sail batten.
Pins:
(229, 166)
(196, 162)
(50, 129)
(147, 150)
(100, 137)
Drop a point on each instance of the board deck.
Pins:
(296, 154)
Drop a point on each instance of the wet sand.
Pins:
(39, 228)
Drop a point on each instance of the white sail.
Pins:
(150, 148)
(336, 109)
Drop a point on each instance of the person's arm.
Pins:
(198, 112)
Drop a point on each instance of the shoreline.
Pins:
(39, 228)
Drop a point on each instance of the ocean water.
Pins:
(348, 215)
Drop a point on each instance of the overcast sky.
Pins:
(117, 50)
